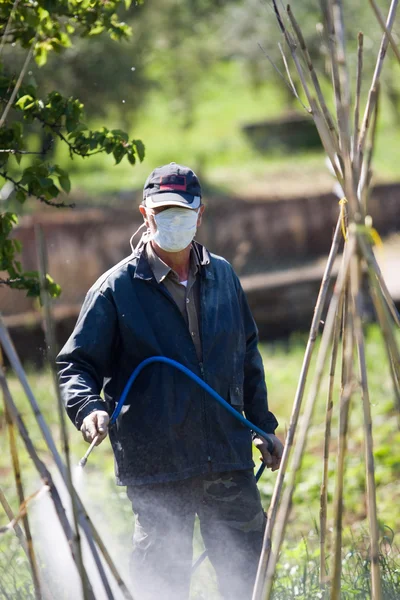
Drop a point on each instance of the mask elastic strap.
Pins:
(136, 232)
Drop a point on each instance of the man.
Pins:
(176, 449)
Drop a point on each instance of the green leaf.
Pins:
(140, 149)
(52, 287)
(121, 134)
(41, 56)
(21, 196)
(119, 153)
(65, 183)
(22, 102)
(17, 245)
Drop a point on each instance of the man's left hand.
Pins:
(271, 459)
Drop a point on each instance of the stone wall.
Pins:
(258, 237)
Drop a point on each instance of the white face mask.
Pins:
(176, 228)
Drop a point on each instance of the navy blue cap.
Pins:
(172, 185)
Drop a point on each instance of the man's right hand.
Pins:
(95, 424)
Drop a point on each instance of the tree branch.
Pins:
(6, 31)
(19, 82)
(41, 198)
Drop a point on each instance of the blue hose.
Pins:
(200, 382)
(207, 388)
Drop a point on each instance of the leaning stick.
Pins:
(369, 455)
(319, 120)
(381, 22)
(387, 333)
(291, 82)
(319, 307)
(85, 522)
(291, 87)
(21, 537)
(314, 77)
(51, 356)
(384, 322)
(40, 466)
(343, 107)
(365, 191)
(371, 260)
(356, 132)
(327, 438)
(375, 79)
(18, 82)
(330, 36)
(23, 509)
(7, 28)
(268, 560)
(11, 517)
(345, 397)
(21, 498)
(84, 519)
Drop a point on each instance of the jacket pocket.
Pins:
(236, 396)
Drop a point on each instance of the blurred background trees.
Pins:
(191, 75)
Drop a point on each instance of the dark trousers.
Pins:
(232, 524)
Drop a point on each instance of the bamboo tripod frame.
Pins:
(345, 142)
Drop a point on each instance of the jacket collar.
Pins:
(143, 269)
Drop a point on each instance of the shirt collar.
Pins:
(161, 269)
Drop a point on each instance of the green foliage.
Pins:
(298, 568)
(44, 26)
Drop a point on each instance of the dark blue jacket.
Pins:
(169, 428)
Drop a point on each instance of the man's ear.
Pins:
(199, 218)
(144, 214)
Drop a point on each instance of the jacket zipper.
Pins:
(203, 399)
(205, 420)
(201, 365)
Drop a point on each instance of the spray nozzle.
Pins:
(84, 458)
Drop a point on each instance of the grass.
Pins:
(215, 146)
(297, 575)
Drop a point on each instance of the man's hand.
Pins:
(95, 424)
(271, 459)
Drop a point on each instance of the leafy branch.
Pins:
(41, 27)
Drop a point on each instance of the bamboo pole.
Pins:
(23, 508)
(21, 498)
(343, 106)
(327, 438)
(314, 77)
(357, 102)
(289, 84)
(319, 307)
(39, 465)
(16, 526)
(47, 595)
(51, 356)
(367, 169)
(268, 559)
(85, 522)
(319, 120)
(373, 263)
(369, 456)
(345, 398)
(381, 22)
(388, 336)
(375, 79)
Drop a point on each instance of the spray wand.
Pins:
(88, 452)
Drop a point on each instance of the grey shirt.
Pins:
(187, 297)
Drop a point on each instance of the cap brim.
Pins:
(173, 199)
